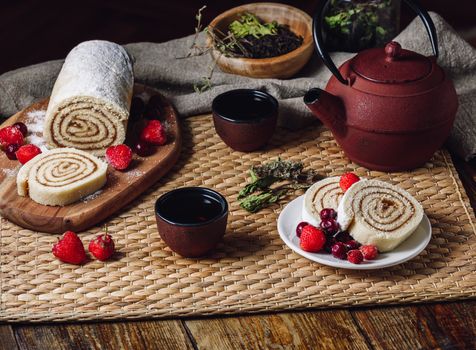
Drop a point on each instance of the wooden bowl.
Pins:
(284, 66)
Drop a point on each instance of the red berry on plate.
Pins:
(10, 151)
(330, 226)
(154, 133)
(370, 252)
(10, 135)
(27, 152)
(299, 228)
(339, 250)
(347, 180)
(328, 213)
(102, 247)
(312, 239)
(352, 244)
(355, 256)
(119, 156)
(70, 249)
(143, 149)
(343, 236)
(22, 127)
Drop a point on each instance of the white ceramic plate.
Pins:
(290, 217)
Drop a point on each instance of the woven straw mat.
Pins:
(252, 270)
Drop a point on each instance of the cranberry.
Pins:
(143, 149)
(355, 256)
(10, 151)
(22, 127)
(299, 228)
(352, 244)
(154, 108)
(137, 108)
(343, 236)
(330, 241)
(330, 225)
(328, 213)
(339, 250)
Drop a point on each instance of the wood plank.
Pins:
(446, 326)
(7, 338)
(123, 335)
(304, 330)
(120, 189)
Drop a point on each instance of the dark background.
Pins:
(32, 31)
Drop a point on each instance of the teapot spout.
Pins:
(327, 108)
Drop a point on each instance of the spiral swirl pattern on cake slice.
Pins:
(323, 194)
(61, 176)
(87, 124)
(379, 213)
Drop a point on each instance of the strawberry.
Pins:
(369, 252)
(312, 239)
(70, 249)
(347, 180)
(119, 156)
(10, 135)
(154, 133)
(27, 152)
(102, 247)
(355, 256)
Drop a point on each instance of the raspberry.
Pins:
(27, 152)
(10, 135)
(355, 256)
(154, 133)
(369, 252)
(119, 156)
(312, 239)
(347, 180)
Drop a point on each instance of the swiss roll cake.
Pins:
(378, 213)
(325, 193)
(90, 102)
(61, 176)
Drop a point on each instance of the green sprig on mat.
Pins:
(286, 175)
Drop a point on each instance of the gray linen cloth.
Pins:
(157, 65)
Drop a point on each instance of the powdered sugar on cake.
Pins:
(35, 121)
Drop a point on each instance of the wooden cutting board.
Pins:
(120, 189)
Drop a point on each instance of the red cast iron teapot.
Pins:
(388, 108)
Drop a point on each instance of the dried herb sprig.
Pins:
(226, 44)
(259, 193)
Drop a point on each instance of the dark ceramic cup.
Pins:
(245, 119)
(191, 220)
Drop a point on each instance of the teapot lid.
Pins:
(391, 65)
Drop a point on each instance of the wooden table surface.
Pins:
(427, 326)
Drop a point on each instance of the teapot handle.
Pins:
(319, 42)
